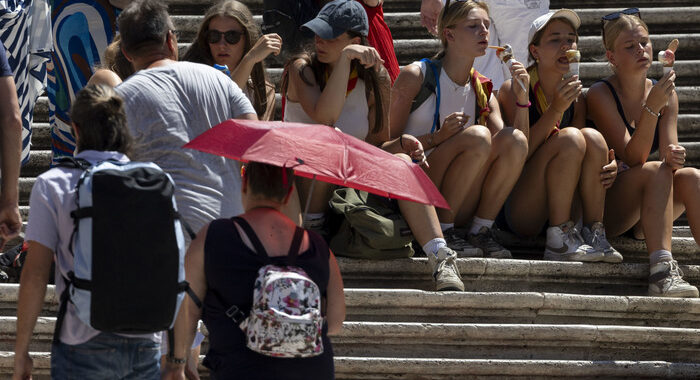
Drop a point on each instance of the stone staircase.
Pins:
(522, 318)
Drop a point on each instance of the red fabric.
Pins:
(323, 153)
(380, 38)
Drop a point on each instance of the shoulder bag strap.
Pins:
(294, 247)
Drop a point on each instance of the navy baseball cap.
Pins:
(336, 18)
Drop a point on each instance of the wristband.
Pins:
(523, 105)
(646, 108)
(174, 360)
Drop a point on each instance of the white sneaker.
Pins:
(564, 243)
(445, 272)
(666, 280)
(595, 237)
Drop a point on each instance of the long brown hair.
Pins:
(368, 75)
(199, 50)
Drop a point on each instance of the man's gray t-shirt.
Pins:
(168, 106)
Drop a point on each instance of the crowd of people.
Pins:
(531, 155)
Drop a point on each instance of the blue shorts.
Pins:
(106, 356)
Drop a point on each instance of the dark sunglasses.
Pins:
(231, 36)
(616, 15)
(447, 7)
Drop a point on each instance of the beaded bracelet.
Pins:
(646, 108)
(523, 105)
(174, 360)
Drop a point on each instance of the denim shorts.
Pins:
(106, 356)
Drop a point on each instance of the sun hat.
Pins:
(542, 21)
(336, 18)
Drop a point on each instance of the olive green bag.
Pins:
(372, 228)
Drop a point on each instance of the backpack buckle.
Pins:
(235, 314)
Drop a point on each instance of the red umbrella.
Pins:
(323, 153)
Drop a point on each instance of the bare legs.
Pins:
(546, 187)
(686, 197)
(642, 193)
(591, 190)
(476, 171)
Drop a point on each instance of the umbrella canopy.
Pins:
(323, 153)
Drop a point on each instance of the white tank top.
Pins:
(453, 98)
(353, 120)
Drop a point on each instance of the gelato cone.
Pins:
(668, 57)
(505, 54)
(574, 58)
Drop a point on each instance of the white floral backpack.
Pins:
(285, 319)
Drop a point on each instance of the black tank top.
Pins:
(231, 268)
(621, 112)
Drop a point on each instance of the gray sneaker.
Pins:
(484, 240)
(595, 237)
(462, 247)
(564, 243)
(666, 280)
(445, 272)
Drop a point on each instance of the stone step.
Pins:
(408, 25)
(363, 368)
(591, 47)
(520, 307)
(515, 275)
(475, 341)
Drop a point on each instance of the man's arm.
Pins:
(11, 145)
(32, 290)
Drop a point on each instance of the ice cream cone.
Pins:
(574, 58)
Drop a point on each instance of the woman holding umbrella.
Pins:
(343, 84)
(474, 160)
(221, 266)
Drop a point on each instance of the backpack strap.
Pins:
(259, 248)
(294, 247)
(431, 85)
(73, 163)
(63, 305)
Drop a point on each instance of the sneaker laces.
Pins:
(675, 271)
(598, 238)
(450, 259)
(454, 241)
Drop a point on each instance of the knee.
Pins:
(687, 179)
(595, 142)
(571, 142)
(403, 156)
(476, 139)
(511, 142)
(658, 172)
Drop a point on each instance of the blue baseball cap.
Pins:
(336, 18)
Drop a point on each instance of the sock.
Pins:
(477, 223)
(434, 246)
(446, 226)
(659, 256)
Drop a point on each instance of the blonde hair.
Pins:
(613, 28)
(456, 12)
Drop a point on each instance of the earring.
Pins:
(537, 60)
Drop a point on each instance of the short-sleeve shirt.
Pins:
(50, 224)
(5, 70)
(168, 106)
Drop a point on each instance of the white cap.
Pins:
(542, 21)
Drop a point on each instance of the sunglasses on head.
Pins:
(616, 15)
(230, 36)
